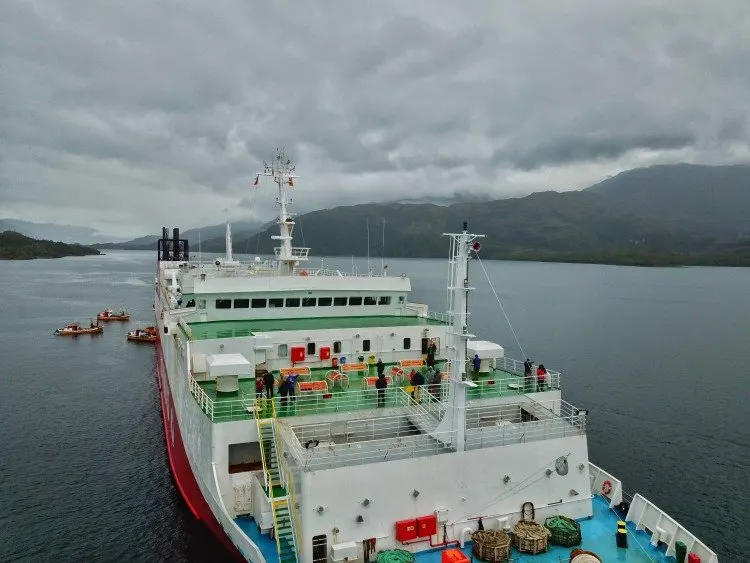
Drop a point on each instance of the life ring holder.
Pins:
(606, 487)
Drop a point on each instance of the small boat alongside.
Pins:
(110, 315)
(74, 329)
(147, 334)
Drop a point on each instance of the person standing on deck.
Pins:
(541, 378)
(268, 383)
(381, 385)
(258, 387)
(476, 362)
(433, 380)
(417, 381)
(527, 375)
(431, 351)
(284, 391)
(380, 366)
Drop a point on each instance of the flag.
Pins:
(290, 182)
(256, 181)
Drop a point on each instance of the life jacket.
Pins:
(541, 374)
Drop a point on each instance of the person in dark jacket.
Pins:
(417, 381)
(476, 362)
(268, 383)
(380, 367)
(381, 385)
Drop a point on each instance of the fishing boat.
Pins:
(74, 329)
(148, 334)
(110, 315)
(344, 453)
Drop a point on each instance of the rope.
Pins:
(395, 556)
(560, 524)
(523, 353)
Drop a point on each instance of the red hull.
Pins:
(178, 461)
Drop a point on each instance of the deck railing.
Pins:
(241, 408)
(358, 442)
(529, 421)
(345, 401)
(647, 516)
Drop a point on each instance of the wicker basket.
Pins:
(567, 535)
(530, 537)
(491, 545)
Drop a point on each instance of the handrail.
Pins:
(204, 401)
(292, 497)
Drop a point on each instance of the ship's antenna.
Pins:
(281, 169)
(200, 254)
(382, 250)
(368, 245)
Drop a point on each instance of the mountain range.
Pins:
(666, 214)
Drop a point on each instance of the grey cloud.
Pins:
(152, 99)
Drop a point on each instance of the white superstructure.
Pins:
(340, 466)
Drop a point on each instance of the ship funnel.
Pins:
(176, 244)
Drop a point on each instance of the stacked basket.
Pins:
(491, 545)
(530, 537)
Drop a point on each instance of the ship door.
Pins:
(425, 345)
(320, 549)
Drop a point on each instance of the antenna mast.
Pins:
(369, 270)
(281, 169)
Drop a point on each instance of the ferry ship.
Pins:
(327, 464)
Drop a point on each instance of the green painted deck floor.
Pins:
(230, 329)
(233, 406)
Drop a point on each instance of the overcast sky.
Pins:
(132, 114)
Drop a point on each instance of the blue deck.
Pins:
(598, 536)
(266, 545)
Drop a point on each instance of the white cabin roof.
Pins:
(227, 364)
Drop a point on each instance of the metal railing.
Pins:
(289, 484)
(515, 366)
(204, 401)
(297, 251)
(336, 453)
(223, 410)
(530, 421)
(316, 402)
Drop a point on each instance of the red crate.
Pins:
(298, 354)
(453, 556)
(325, 352)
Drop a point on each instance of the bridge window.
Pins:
(275, 302)
(292, 301)
(384, 300)
(407, 343)
(337, 347)
(223, 303)
(258, 303)
(241, 303)
(339, 301)
(365, 345)
(371, 300)
(325, 301)
(355, 301)
(309, 301)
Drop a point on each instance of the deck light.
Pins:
(415, 493)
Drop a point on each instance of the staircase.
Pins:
(277, 493)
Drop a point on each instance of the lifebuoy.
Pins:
(303, 272)
(607, 487)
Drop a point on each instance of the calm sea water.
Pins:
(658, 356)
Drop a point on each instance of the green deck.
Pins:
(229, 407)
(230, 329)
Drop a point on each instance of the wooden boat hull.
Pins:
(67, 332)
(145, 338)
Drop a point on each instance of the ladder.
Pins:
(277, 493)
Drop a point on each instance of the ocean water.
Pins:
(658, 356)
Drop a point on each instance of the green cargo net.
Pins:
(395, 556)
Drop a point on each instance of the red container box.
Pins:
(426, 526)
(325, 352)
(693, 558)
(453, 556)
(298, 354)
(406, 530)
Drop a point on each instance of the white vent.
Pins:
(346, 551)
